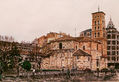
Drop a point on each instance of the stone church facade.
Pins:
(68, 53)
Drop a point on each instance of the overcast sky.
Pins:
(29, 19)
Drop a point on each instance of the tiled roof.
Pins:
(80, 52)
(78, 39)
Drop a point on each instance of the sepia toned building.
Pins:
(87, 51)
(99, 30)
(112, 35)
(43, 40)
(112, 45)
(69, 53)
(86, 33)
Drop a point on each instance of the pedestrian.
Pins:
(68, 73)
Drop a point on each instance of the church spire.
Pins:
(110, 18)
(110, 24)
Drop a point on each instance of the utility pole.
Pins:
(75, 32)
(98, 8)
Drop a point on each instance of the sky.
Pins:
(26, 20)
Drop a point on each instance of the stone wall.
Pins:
(83, 62)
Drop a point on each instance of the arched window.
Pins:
(60, 45)
(95, 34)
(108, 36)
(97, 46)
(98, 34)
(83, 47)
(95, 28)
(98, 28)
(88, 58)
(98, 22)
(95, 22)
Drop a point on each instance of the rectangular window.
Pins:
(118, 37)
(113, 36)
(113, 47)
(113, 58)
(108, 52)
(60, 45)
(113, 42)
(108, 42)
(108, 36)
(113, 52)
(117, 42)
(108, 58)
(117, 47)
(108, 47)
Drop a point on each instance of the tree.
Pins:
(26, 65)
(9, 55)
(105, 70)
(0, 75)
(14, 56)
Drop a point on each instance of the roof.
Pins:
(86, 39)
(110, 24)
(99, 12)
(77, 39)
(80, 52)
(87, 30)
(64, 39)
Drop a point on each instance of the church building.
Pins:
(78, 52)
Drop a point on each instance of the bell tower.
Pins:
(99, 30)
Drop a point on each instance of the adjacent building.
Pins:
(112, 35)
(112, 45)
(43, 40)
(86, 33)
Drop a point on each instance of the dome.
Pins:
(110, 24)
